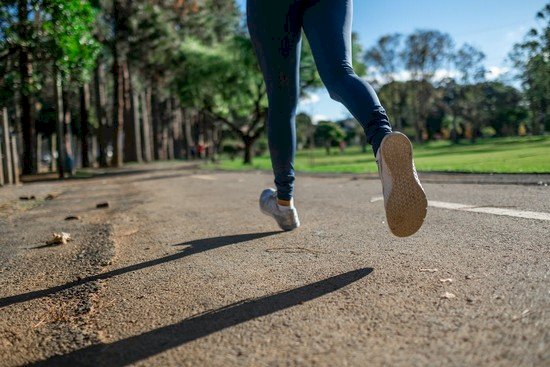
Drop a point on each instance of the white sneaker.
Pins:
(287, 218)
(404, 198)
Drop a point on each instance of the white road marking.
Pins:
(204, 177)
(491, 210)
(482, 209)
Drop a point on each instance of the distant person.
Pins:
(275, 28)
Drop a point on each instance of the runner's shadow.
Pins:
(195, 247)
(138, 347)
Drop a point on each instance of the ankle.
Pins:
(285, 204)
(282, 202)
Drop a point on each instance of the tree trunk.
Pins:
(38, 151)
(248, 153)
(176, 129)
(60, 131)
(417, 122)
(25, 102)
(84, 124)
(454, 131)
(118, 113)
(146, 125)
(101, 114)
(188, 135)
(6, 147)
(132, 139)
(118, 93)
(216, 141)
(53, 150)
(168, 131)
(395, 98)
(209, 138)
(68, 135)
(155, 108)
(136, 119)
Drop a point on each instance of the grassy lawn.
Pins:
(498, 155)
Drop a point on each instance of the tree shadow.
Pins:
(195, 247)
(136, 348)
(87, 174)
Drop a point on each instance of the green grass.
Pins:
(498, 155)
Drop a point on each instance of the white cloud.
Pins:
(319, 117)
(517, 33)
(310, 99)
(495, 72)
(405, 75)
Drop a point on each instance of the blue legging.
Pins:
(275, 28)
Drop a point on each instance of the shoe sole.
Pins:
(272, 216)
(297, 225)
(407, 205)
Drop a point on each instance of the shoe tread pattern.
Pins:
(406, 206)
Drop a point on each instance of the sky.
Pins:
(493, 26)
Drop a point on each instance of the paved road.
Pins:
(183, 270)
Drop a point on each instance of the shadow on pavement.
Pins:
(196, 247)
(136, 348)
(107, 172)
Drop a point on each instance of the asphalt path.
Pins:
(188, 272)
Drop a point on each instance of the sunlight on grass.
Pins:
(500, 155)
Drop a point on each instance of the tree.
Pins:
(305, 131)
(500, 106)
(40, 38)
(425, 52)
(384, 58)
(468, 61)
(224, 81)
(531, 58)
(329, 134)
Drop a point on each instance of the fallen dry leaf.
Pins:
(102, 205)
(428, 270)
(72, 217)
(59, 239)
(448, 295)
(32, 197)
(523, 314)
(50, 196)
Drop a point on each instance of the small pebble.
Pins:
(448, 295)
(102, 205)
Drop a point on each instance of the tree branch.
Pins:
(227, 122)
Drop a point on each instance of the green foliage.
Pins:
(223, 79)
(304, 130)
(531, 58)
(68, 37)
(385, 56)
(56, 31)
(329, 134)
(468, 61)
(309, 77)
(488, 132)
(425, 52)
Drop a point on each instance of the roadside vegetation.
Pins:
(497, 155)
(105, 83)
